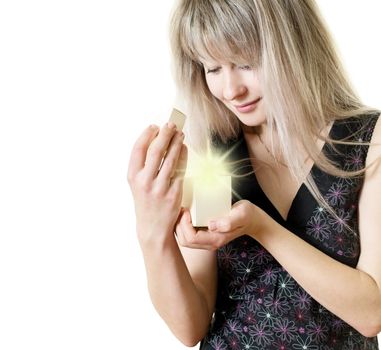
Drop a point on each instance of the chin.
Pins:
(252, 120)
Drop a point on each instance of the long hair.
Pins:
(305, 87)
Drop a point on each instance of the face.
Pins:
(238, 88)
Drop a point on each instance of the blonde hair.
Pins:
(303, 82)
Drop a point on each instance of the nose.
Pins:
(233, 87)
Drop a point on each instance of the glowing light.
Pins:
(207, 187)
(207, 167)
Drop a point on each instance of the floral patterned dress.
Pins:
(259, 305)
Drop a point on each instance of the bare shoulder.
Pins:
(369, 210)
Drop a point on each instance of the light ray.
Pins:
(210, 166)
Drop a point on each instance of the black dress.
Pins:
(259, 305)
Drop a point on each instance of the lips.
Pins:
(248, 107)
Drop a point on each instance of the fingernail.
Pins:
(171, 125)
(212, 225)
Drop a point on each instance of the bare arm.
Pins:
(183, 296)
(185, 302)
(352, 294)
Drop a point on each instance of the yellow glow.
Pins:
(207, 187)
(208, 168)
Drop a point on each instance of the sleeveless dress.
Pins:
(259, 305)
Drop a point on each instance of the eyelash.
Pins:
(215, 70)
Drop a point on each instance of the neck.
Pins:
(258, 139)
(262, 134)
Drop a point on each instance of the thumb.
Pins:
(223, 224)
(234, 220)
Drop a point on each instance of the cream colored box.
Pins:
(178, 118)
(207, 200)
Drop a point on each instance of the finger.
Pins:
(170, 161)
(184, 242)
(158, 148)
(221, 225)
(183, 219)
(184, 228)
(234, 221)
(139, 150)
(192, 238)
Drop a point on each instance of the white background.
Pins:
(79, 80)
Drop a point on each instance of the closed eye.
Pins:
(213, 70)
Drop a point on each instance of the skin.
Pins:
(184, 271)
(236, 85)
(157, 206)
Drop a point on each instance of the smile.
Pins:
(248, 107)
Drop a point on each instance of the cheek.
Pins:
(213, 87)
(258, 82)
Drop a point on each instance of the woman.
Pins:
(284, 270)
